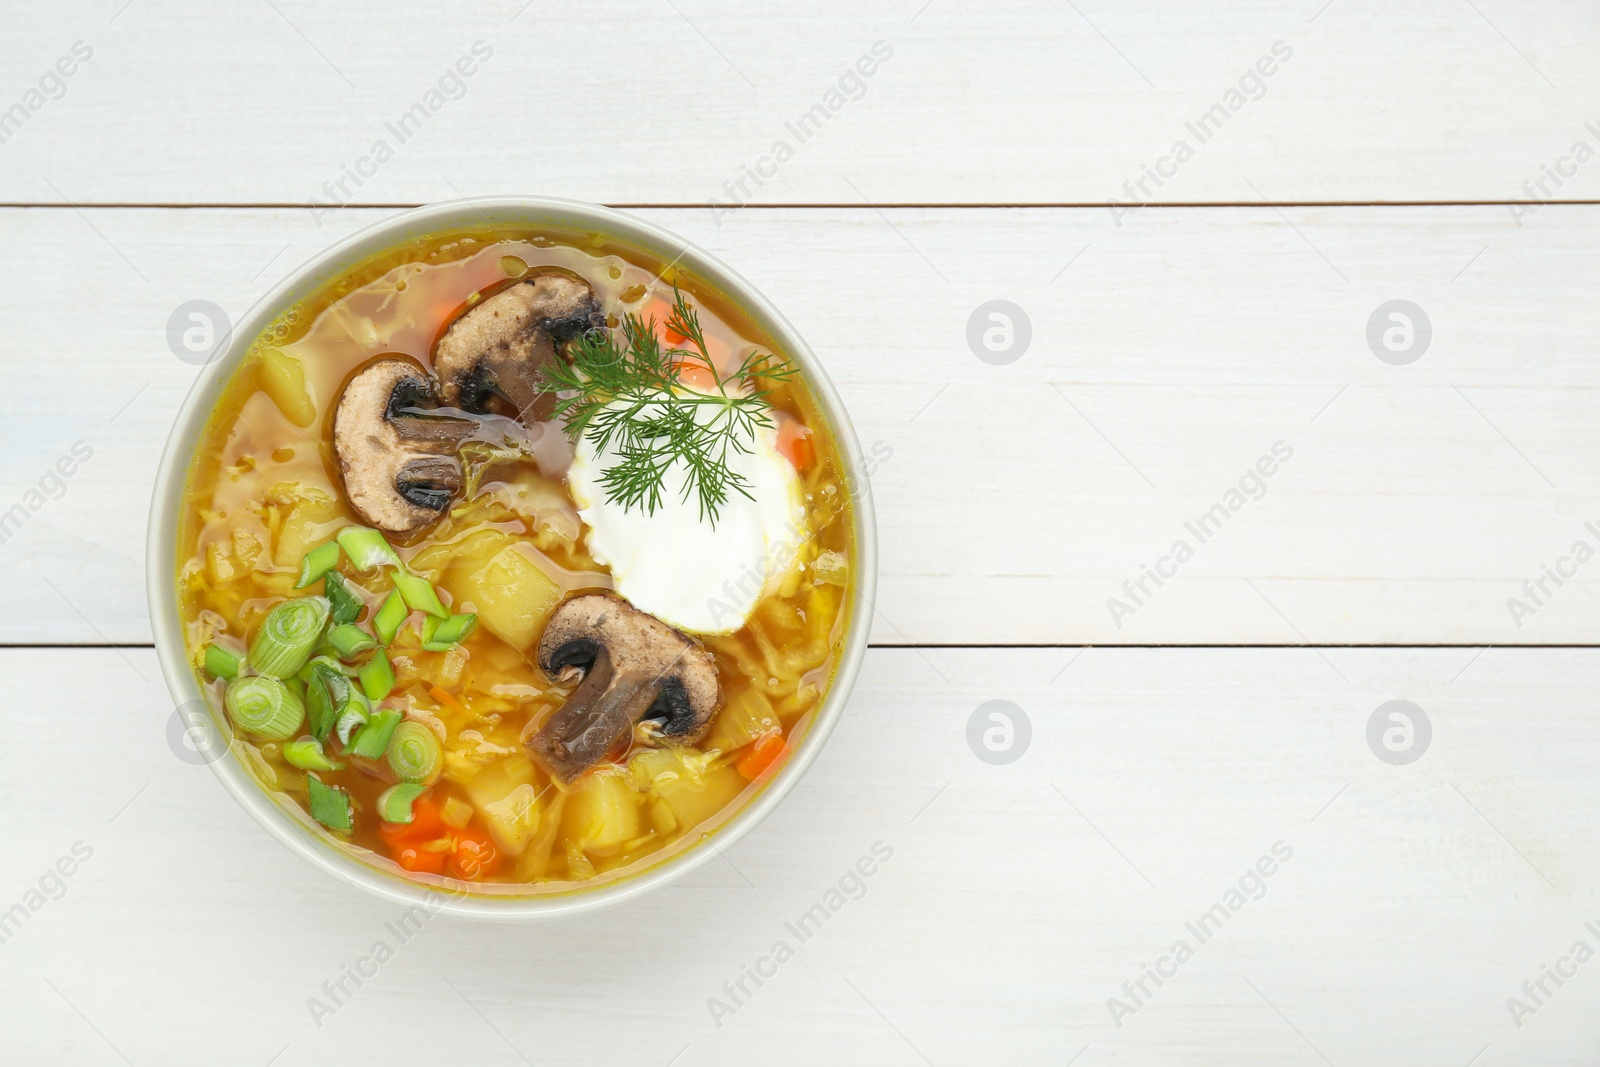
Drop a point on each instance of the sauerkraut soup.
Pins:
(514, 561)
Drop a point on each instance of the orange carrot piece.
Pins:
(446, 699)
(657, 312)
(694, 373)
(766, 751)
(475, 855)
(794, 444)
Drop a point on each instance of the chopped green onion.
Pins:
(367, 549)
(447, 632)
(264, 706)
(415, 754)
(307, 754)
(326, 658)
(330, 805)
(222, 662)
(419, 593)
(288, 635)
(373, 740)
(353, 715)
(326, 695)
(394, 803)
(377, 677)
(350, 640)
(317, 562)
(390, 617)
(345, 605)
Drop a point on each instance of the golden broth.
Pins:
(263, 490)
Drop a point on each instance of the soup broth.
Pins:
(267, 494)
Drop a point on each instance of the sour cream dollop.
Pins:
(678, 566)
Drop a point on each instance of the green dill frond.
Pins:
(628, 399)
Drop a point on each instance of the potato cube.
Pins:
(513, 821)
(602, 813)
(513, 597)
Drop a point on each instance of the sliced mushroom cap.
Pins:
(635, 668)
(491, 359)
(399, 464)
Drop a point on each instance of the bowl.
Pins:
(165, 508)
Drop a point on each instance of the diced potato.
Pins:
(513, 821)
(456, 812)
(686, 783)
(450, 668)
(305, 524)
(662, 817)
(283, 379)
(744, 718)
(601, 813)
(512, 595)
(693, 803)
(219, 562)
(247, 548)
(652, 767)
(830, 568)
(497, 780)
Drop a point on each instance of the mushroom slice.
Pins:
(490, 359)
(398, 463)
(635, 668)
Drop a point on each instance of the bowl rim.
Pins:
(189, 423)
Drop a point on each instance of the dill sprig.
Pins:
(630, 399)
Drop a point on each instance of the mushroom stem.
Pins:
(600, 713)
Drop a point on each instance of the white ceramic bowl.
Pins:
(290, 826)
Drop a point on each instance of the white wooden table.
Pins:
(1357, 152)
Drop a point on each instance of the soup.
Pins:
(515, 561)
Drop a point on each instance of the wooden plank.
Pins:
(1017, 901)
(1024, 102)
(1167, 359)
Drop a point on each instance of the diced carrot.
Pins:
(421, 860)
(475, 855)
(425, 825)
(446, 699)
(765, 751)
(658, 311)
(694, 373)
(794, 444)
